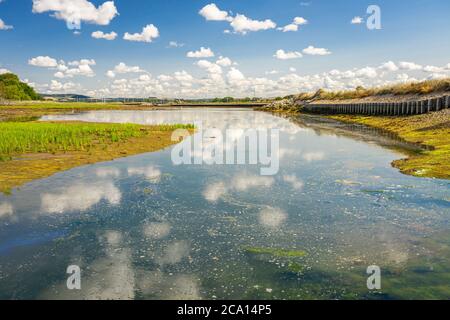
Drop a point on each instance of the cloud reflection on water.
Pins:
(313, 156)
(6, 210)
(106, 172)
(155, 261)
(115, 276)
(272, 217)
(241, 183)
(295, 182)
(150, 172)
(157, 230)
(80, 197)
(174, 253)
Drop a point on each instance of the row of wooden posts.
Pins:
(383, 108)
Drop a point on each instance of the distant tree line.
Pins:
(11, 88)
(231, 99)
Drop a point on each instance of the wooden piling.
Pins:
(430, 105)
(383, 108)
(439, 104)
(423, 106)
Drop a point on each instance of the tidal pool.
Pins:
(143, 228)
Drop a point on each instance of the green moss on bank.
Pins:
(431, 130)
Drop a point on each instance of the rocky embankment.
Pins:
(288, 106)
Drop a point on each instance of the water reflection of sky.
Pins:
(140, 227)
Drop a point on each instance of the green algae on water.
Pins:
(281, 253)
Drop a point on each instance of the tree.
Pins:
(11, 88)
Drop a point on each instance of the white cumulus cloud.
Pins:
(4, 26)
(73, 68)
(209, 66)
(300, 21)
(224, 61)
(76, 68)
(311, 50)
(43, 61)
(404, 65)
(389, 66)
(212, 13)
(101, 35)
(283, 55)
(110, 74)
(289, 28)
(234, 75)
(202, 53)
(122, 68)
(57, 86)
(433, 69)
(76, 11)
(148, 33)
(292, 27)
(367, 72)
(240, 23)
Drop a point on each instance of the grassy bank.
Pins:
(400, 92)
(23, 110)
(34, 150)
(432, 130)
(428, 87)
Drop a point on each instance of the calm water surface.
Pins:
(143, 228)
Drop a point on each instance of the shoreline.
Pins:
(431, 130)
(28, 167)
(31, 111)
(102, 143)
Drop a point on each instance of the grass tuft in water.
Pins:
(281, 253)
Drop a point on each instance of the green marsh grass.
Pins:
(41, 137)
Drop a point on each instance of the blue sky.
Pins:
(411, 45)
